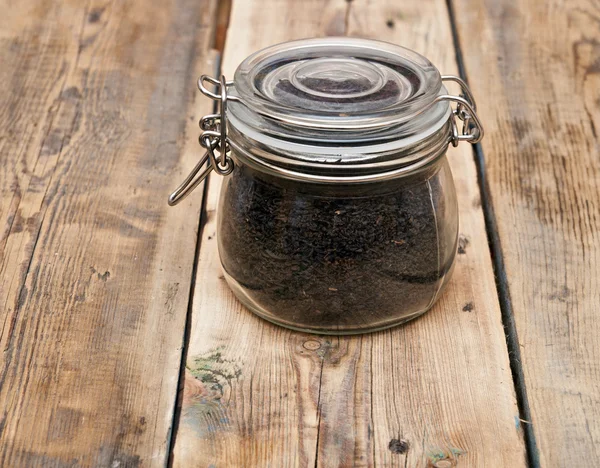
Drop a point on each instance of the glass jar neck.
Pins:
(338, 163)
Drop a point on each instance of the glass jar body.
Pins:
(338, 258)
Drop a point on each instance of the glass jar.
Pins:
(338, 213)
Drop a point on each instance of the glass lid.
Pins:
(338, 89)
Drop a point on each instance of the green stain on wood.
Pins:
(207, 414)
(456, 451)
(436, 455)
(212, 369)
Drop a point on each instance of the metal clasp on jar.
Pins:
(213, 139)
(466, 111)
(214, 126)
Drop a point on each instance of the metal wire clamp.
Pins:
(213, 138)
(465, 111)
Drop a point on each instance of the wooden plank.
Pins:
(536, 70)
(95, 269)
(435, 392)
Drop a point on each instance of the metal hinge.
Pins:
(213, 139)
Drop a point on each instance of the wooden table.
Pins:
(112, 300)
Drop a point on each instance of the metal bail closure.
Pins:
(213, 137)
(466, 111)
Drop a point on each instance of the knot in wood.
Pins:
(311, 345)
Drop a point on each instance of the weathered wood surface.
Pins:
(436, 392)
(99, 122)
(535, 67)
(95, 269)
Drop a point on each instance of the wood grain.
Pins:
(536, 70)
(95, 269)
(436, 392)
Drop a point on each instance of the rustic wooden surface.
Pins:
(436, 392)
(95, 269)
(102, 294)
(538, 84)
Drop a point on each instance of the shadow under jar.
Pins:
(338, 213)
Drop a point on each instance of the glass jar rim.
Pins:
(371, 163)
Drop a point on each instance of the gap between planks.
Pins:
(222, 14)
(203, 189)
(491, 227)
(539, 81)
